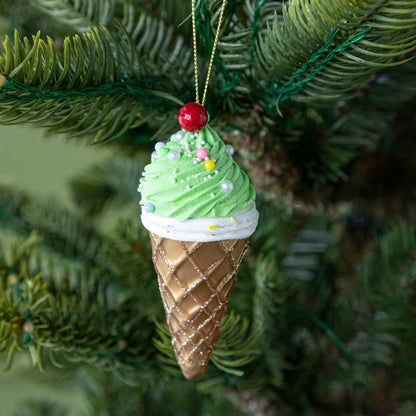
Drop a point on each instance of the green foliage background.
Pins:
(318, 99)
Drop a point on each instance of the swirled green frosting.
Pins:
(183, 188)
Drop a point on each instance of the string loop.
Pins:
(214, 47)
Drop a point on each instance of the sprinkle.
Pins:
(227, 186)
(195, 162)
(202, 154)
(232, 219)
(173, 180)
(192, 143)
(209, 165)
(229, 149)
(175, 171)
(213, 227)
(173, 155)
(214, 160)
(216, 172)
(205, 179)
(182, 180)
(209, 177)
(212, 194)
(148, 207)
(159, 145)
(188, 187)
(203, 142)
(206, 158)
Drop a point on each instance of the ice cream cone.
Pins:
(199, 208)
(195, 282)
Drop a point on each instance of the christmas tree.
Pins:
(318, 99)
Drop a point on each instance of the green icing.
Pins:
(183, 190)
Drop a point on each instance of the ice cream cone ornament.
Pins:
(199, 209)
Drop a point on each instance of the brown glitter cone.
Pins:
(195, 282)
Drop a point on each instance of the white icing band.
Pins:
(199, 230)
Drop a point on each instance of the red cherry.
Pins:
(192, 117)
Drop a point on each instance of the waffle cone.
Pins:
(195, 282)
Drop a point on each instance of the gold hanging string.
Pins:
(195, 53)
(212, 53)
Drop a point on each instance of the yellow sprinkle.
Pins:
(209, 165)
(212, 227)
(232, 219)
(3, 80)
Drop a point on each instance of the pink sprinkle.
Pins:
(202, 153)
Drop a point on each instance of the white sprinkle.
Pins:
(188, 187)
(175, 171)
(159, 145)
(227, 186)
(173, 180)
(192, 143)
(229, 149)
(209, 177)
(195, 162)
(189, 154)
(207, 158)
(214, 160)
(174, 155)
(203, 142)
(216, 172)
(205, 179)
(212, 194)
(182, 180)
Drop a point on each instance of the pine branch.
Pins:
(334, 46)
(235, 346)
(76, 314)
(99, 85)
(379, 272)
(65, 233)
(127, 250)
(383, 308)
(273, 290)
(112, 182)
(68, 241)
(158, 44)
(82, 14)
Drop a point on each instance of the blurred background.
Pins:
(29, 160)
(322, 321)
